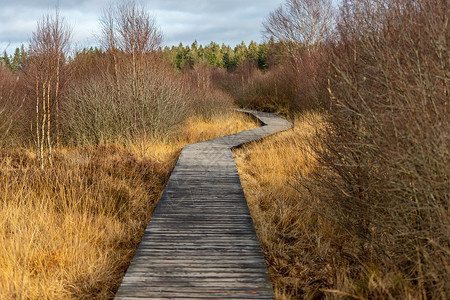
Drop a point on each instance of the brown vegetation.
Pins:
(70, 230)
(300, 24)
(352, 203)
(387, 151)
(10, 103)
(72, 210)
(373, 196)
(270, 90)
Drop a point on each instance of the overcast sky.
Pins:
(221, 21)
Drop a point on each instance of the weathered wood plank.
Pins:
(200, 242)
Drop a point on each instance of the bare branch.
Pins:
(303, 23)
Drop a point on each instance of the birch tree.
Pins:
(49, 46)
(129, 29)
(300, 23)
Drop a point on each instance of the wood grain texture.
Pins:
(200, 242)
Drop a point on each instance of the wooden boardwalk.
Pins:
(200, 241)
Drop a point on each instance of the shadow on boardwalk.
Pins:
(200, 241)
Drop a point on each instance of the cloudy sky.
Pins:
(221, 21)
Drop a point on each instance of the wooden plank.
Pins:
(200, 242)
(200, 276)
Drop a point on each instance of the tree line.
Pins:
(183, 57)
(15, 62)
(225, 56)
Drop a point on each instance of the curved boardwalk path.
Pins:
(200, 241)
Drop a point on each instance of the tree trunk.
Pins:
(44, 115)
(49, 140)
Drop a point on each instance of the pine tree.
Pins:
(191, 58)
(6, 60)
(16, 61)
(263, 56)
(252, 54)
(180, 56)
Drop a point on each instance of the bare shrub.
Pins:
(302, 27)
(90, 64)
(312, 80)
(384, 178)
(272, 90)
(95, 113)
(200, 76)
(209, 103)
(204, 96)
(10, 104)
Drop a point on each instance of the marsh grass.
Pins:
(70, 230)
(285, 223)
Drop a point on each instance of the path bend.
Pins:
(200, 241)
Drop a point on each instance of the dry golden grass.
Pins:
(284, 223)
(70, 231)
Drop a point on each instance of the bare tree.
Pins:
(137, 31)
(128, 28)
(301, 27)
(49, 46)
(300, 23)
(109, 41)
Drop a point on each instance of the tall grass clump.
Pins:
(68, 231)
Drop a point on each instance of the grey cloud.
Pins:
(51, 4)
(228, 21)
(210, 6)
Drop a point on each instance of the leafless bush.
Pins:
(10, 103)
(272, 90)
(199, 76)
(311, 75)
(95, 114)
(385, 175)
(209, 103)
